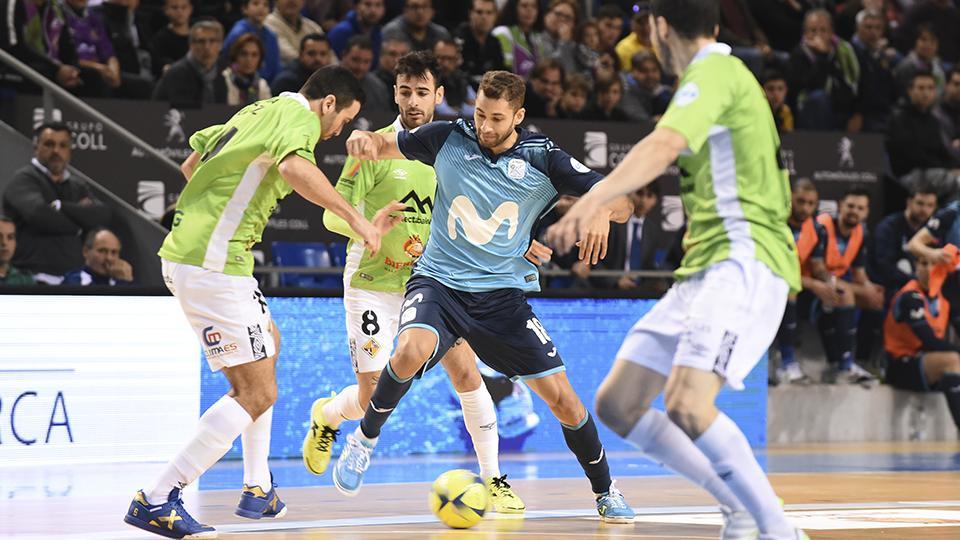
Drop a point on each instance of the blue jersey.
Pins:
(486, 205)
(944, 225)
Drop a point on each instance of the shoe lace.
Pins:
(327, 437)
(182, 513)
(500, 483)
(358, 455)
(613, 498)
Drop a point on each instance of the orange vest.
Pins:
(939, 273)
(898, 338)
(838, 264)
(805, 244)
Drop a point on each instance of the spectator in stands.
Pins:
(480, 50)
(576, 93)
(357, 57)
(416, 26)
(740, 30)
(846, 19)
(639, 244)
(825, 74)
(194, 79)
(94, 50)
(638, 40)
(119, 16)
(775, 88)
(948, 112)
(327, 12)
(610, 26)
(172, 42)
(559, 22)
(645, 98)
(364, 19)
(51, 208)
(845, 255)
(244, 84)
(890, 264)
(877, 89)
(914, 137)
(290, 27)
(608, 92)
(459, 98)
(924, 58)
(944, 17)
(519, 31)
(102, 264)
(588, 49)
(544, 89)
(46, 48)
(392, 50)
(10, 274)
(782, 20)
(920, 358)
(254, 15)
(608, 65)
(315, 53)
(811, 239)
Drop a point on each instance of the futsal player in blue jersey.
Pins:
(494, 182)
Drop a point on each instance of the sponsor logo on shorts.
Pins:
(222, 350)
(408, 315)
(371, 347)
(530, 278)
(211, 337)
(727, 344)
(257, 344)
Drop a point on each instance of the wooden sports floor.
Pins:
(869, 491)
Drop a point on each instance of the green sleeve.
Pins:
(298, 135)
(200, 139)
(502, 33)
(703, 97)
(356, 180)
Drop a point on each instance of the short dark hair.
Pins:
(772, 75)
(358, 42)
(652, 187)
(604, 84)
(336, 81)
(91, 236)
(925, 28)
(576, 81)
(312, 37)
(418, 64)
(508, 15)
(7, 219)
(639, 58)
(503, 85)
(856, 191)
(610, 11)
(690, 18)
(922, 188)
(240, 43)
(921, 73)
(546, 65)
(805, 184)
(52, 126)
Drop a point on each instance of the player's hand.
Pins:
(831, 296)
(363, 145)
(538, 253)
(626, 282)
(593, 247)
(581, 270)
(384, 220)
(120, 270)
(574, 225)
(939, 256)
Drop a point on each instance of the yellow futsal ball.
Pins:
(459, 498)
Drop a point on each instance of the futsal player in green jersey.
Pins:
(236, 175)
(374, 286)
(740, 264)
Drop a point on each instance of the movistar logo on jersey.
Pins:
(423, 206)
(477, 230)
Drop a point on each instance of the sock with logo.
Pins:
(390, 390)
(219, 426)
(344, 406)
(584, 441)
(256, 451)
(480, 416)
(787, 336)
(949, 384)
(662, 440)
(729, 452)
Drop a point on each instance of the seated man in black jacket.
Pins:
(888, 262)
(194, 79)
(315, 52)
(51, 209)
(914, 137)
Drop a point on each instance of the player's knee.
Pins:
(566, 407)
(687, 412)
(409, 358)
(464, 379)
(615, 413)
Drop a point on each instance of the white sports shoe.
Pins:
(737, 525)
(792, 374)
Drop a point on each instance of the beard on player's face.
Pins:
(494, 139)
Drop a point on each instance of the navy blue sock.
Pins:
(390, 389)
(949, 384)
(827, 328)
(787, 336)
(846, 320)
(584, 442)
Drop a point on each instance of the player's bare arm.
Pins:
(642, 165)
(189, 165)
(373, 146)
(920, 246)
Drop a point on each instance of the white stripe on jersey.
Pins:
(216, 256)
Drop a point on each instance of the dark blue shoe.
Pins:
(169, 519)
(255, 504)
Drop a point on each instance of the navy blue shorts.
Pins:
(499, 325)
(906, 373)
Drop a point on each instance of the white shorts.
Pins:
(228, 313)
(722, 320)
(372, 321)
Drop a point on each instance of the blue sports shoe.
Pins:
(169, 519)
(353, 462)
(255, 504)
(613, 508)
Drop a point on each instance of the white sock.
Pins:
(256, 452)
(344, 406)
(725, 446)
(217, 430)
(480, 416)
(659, 438)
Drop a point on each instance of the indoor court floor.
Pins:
(835, 491)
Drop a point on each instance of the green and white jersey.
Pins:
(370, 186)
(735, 194)
(236, 186)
